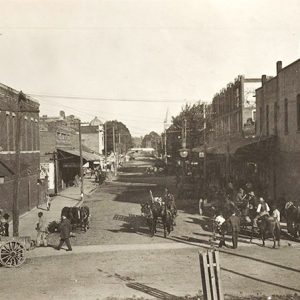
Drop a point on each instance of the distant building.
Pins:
(278, 117)
(233, 109)
(93, 135)
(232, 115)
(60, 156)
(29, 192)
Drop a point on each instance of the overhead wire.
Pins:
(108, 99)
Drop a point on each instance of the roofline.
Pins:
(6, 87)
(275, 77)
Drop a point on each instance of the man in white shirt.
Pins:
(262, 210)
(276, 215)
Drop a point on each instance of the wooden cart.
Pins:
(13, 250)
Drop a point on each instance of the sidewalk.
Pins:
(67, 197)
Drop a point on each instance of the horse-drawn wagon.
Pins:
(13, 250)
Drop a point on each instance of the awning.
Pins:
(237, 146)
(259, 147)
(85, 155)
(209, 149)
(4, 170)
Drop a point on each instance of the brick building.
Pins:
(278, 116)
(29, 149)
(232, 114)
(60, 156)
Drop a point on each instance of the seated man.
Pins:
(262, 210)
(170, 202)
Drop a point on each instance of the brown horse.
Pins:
(267, 226)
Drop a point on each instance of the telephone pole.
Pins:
(205, 150)
(81, 160)
(105, 145)
(114, 148)
(15, 208)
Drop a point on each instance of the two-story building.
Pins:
(13, 106)
(60, 155)
(278, 116)
(232, 115)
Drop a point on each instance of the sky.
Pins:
(93, 56)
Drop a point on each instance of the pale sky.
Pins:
(140, 50)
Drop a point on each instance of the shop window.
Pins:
(286, 116)
(298, 112)
(267, 119)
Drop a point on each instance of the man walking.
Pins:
(234, 221)
(65, 230)
(41, 231)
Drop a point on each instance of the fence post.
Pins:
(211, 275)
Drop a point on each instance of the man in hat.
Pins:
(65, 231)
(234, 222)
(262, 210)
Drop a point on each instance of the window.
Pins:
(275, 117)
(286, 117)
(260, 120)
(298, 112)
(267, 119)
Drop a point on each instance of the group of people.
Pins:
(65, 229)
(241, 206)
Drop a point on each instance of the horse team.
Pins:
(162, 208)
(78, 216)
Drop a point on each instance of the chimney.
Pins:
(278, 66)
(263, 79)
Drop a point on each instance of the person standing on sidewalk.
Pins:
(65, 230)
(48, 201)
(234, 221)
(41, 231)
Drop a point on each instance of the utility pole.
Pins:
(81, 160)
(55, 160)
(114, 147)
(119, 147)
(166, 153)
(205, 150)
(184, 132)
(15, 207)
(165, 141)
(105, 146)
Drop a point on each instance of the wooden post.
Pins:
(15, 206)
(81, 160)
(211, 275)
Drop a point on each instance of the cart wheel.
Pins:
(12, 254)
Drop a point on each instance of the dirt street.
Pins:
(118, 259)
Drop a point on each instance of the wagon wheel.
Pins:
(12, 254)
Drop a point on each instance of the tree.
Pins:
(123, 140)
(152, 140)
(190, 120)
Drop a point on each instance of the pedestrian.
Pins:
(65, 230)
(200, 206)
(48, 201)
(2, 230)
(234, 222)
(4, 224)
(221, 227)
(42, 231)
